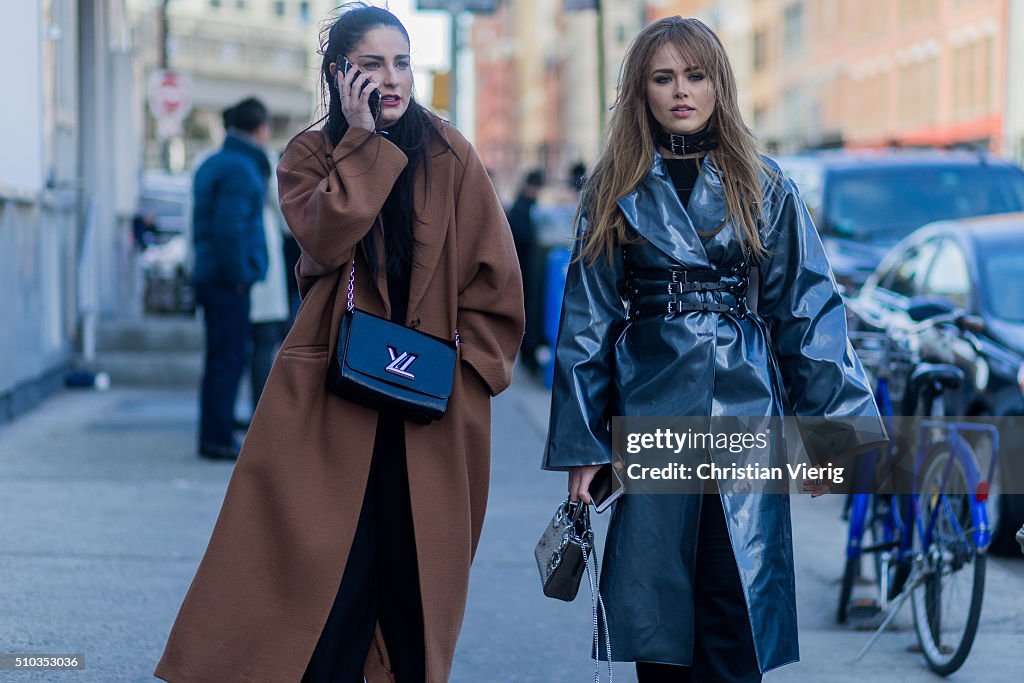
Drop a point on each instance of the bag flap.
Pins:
(397, 355)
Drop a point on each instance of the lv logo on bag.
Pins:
(400, 362)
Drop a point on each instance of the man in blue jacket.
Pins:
(230, 255)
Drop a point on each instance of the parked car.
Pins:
(974, 266)
(865, 202)
(165, 258)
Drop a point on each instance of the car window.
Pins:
(907, 277)
(887, 204)
(1001, 273)
(949, 276)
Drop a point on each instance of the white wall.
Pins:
(21, 118)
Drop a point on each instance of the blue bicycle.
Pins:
(928, 544)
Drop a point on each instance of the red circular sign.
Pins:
(169, 94)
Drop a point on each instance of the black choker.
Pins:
(681, 145)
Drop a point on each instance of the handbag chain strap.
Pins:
(597, 603)
(350, 300)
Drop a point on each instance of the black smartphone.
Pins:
(606, 487)
(343, 66)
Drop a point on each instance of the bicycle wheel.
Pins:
(846, 588)
(852, 567)
(947, 602)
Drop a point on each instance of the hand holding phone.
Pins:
(606, 487)
(360, 98)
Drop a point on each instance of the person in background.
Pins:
(524, 232)
(230, 256)
(144, 230)
(269, 312)
(578, 177)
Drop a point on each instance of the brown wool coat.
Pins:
(264, 588)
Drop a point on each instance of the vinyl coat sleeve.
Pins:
(593, 316)
(826, 386)
(491, 316)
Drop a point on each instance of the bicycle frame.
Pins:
(896, 532)
(952, 435)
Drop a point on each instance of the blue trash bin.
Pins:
(554, 286)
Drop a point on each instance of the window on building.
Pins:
(973, 55)
(304, 11)
(987, 100)
(760, 50)
(215, 3)
(240, 4)
(793, 30)
(279, 8)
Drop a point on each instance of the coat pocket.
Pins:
(311, 352)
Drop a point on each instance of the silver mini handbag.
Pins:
(563, 553)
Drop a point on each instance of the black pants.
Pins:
(723, 648)
(381, 581)
(226, 318)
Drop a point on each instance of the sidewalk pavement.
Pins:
(106, 512)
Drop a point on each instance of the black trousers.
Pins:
(381, 581)
(226, 318)
(723, 648)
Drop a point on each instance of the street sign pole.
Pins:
(602, 99)
(455, 8)
(453, 82)
(163, 62)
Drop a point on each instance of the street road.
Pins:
(106, 511)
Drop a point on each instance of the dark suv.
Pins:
(865, 202)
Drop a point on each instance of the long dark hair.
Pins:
(412, 133)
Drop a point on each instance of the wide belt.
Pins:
(661, 292)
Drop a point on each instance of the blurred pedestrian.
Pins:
(230, 256)
(655, 323)
(531, 263)
(578, 177)
(269, 311)
(144, 230)
(344, 545)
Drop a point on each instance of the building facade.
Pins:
(538, 103)
(67, 187)
(828, 73)
(233, 49)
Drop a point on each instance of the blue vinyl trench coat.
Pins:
(793, 352)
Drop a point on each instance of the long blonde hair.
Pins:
(623, 164)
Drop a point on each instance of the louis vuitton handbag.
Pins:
(381, 364)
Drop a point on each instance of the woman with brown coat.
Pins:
(344, 544)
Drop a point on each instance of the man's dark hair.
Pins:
(534, 178)
(578, 176)
(246, 116)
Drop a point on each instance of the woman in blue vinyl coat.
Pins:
(654, 322)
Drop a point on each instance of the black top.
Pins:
(398, 292)
(684, 174)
